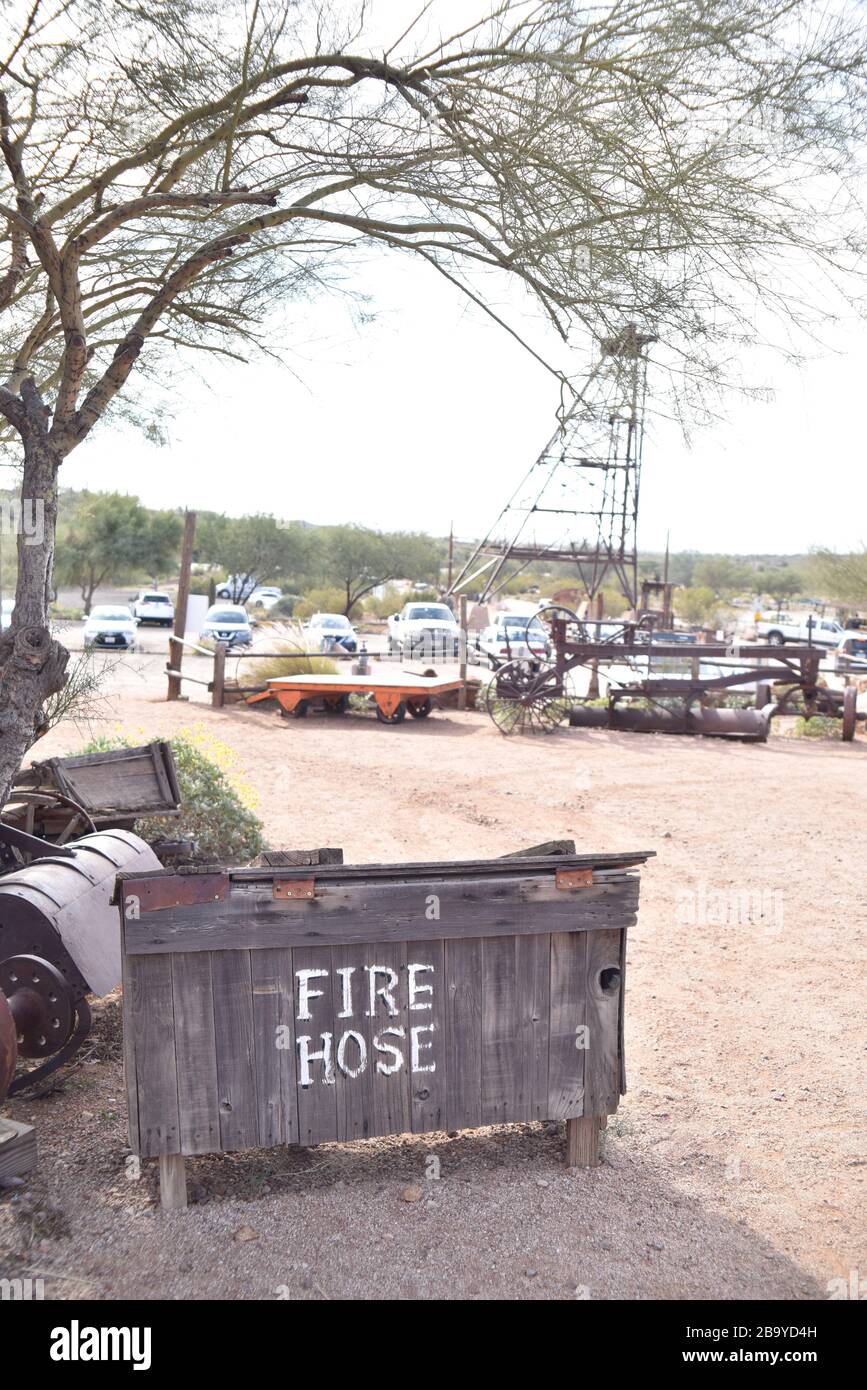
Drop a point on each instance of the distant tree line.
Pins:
(111, 539)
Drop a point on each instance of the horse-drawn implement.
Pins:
(528, 696)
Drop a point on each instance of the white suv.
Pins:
(150, 606)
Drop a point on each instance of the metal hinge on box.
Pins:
(293, 888)
(568, 879)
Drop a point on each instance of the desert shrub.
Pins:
(390, 601)
(331, 600)
(298, 661)
(216, 806)
(819, 726)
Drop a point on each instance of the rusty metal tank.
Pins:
(59, 941)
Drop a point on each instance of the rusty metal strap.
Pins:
(569, 879)
(175, 890)
(293, 888)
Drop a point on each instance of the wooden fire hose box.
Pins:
(324, 1001)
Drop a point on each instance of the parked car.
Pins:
(228, 622)
(511, 638)
(109, 626)
(150, 606)
(236, 587)
(850, 653)
(6, 608)
(424, 629)
(819, 632)
(264, 596)
(330, 630)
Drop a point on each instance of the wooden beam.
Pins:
(357, 913)
(173, 1182)
(176, 650)
(582, 1142)
(219, 681)
(462, 693)
(17, 1149)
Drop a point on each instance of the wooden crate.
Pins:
(307, 1003)
(115, 787)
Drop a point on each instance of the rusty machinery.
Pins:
(59, 942)
(531, 695)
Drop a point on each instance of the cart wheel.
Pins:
(336, 704)
(525, 697)
(420, 709)
(850, 698)
(300, 710)
(396, 718)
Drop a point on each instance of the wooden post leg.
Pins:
(173, 1182)
(582, 1142)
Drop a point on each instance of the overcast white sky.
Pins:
(431, 414)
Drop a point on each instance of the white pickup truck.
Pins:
(819, 632)
(424, 630)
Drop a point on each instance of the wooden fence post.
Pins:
(176, 650)
(462, 693)
(219, 681)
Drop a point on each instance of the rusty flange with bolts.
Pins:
(41, 1004)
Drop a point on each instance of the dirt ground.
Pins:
(735, 1166)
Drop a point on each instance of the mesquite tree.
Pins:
(172, 171)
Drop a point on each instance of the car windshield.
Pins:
(115, 615)
(155, 598)
(521, 625)
(433, 610)
(226, 615)
(327, 621)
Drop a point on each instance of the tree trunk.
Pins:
(32, 662)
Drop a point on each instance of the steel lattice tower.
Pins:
(579, 501)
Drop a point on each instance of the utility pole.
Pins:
(176, 647)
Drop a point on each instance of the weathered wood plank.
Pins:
(130, 1076)
(463, 986)
(533, 964)
(236, 1074)
(502, 1079)
(465, 868)
(392, 1112)
(582, 1142)
(317, 1103)
(602, 1065)
(353, 1041)
(357, 914)
(427, 1021)
(293, 858)
(151, 1016)
(196, 1053)
(173, 1182)
(18, 1152)
(274, 1047)
(515, 1025)
(567, 1014)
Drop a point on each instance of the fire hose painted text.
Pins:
(368, 991)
